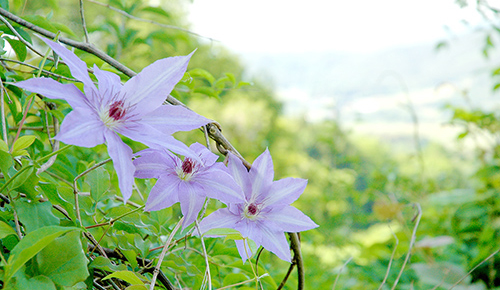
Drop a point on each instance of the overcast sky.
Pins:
(326, 25)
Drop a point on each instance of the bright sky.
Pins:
(323, 25)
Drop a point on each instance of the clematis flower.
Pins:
(133, 110)
(186, 181)
(266, 214)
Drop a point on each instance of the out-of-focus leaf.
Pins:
(201, 73)
(207, 91)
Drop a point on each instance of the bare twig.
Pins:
(340, 271)
(297, 256)
(475, 267)
(128, 15)
(209, 278)
(28, 45)
(43, 71)
(84, 25)
(412, 243)
(2, 108)
(80, 45)
(75, 188)
(392, 258)
(163, 253)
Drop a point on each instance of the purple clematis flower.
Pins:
(188, 182)
(266, 214)
(134, 109)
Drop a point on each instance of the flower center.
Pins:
(187, 169)
(251, 211)
(187, 166)
(117, 110)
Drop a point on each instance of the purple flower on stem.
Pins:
(186, 181)
(134, 109)
(266, 214)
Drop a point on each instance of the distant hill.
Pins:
(366, 91)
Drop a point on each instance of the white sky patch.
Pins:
(324, 25)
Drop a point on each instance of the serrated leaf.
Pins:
(63, 260)
(127, 276)
(31, 245)
(34, 215)
(6, 230)
(18, 47)
(23, 142)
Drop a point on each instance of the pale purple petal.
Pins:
(121, 155)
(163, 194)
(240, 174)
(220, 185)
(244, 250)
(261, 175)
(82, 128)
(77, 66)
(275, 241)
(206, 155)
(170, 119)
(149, 88)
(152, 163)
(153, 138)
(284, 191)
(290, 219)
(55, 90)
(191, 197)
(221, 218)
(109, 84)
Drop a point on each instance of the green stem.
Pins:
(115, 219)
(52, 154)
(14, 177)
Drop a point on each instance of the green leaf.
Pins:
(127, 276)
(63, 260)
(4, 146)
(31, 245)
(156, 10)
(137, 287)
(34, 215)
(5, 162)
(23, 142)
(49, 25)
(496, 87)
(105, 264)
(222, 232)
(207, 91)
(18, 47)
(6, 230)
(201, 73)
(29, 183)
(4, 4)
(98, 180)
(21, 178)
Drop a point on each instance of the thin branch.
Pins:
(297, 256)
(412, 242)
(2, 108)
(75, 188)
(205, 255)
(340, 271)
(392, 258)
(149, 21)
(43, 71)
(28, 45)
(475, 267)
(87, 47)
(84, 25)
(162, 255)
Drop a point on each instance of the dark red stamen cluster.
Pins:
(252, 209)
(117, 110)
(187, 165)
